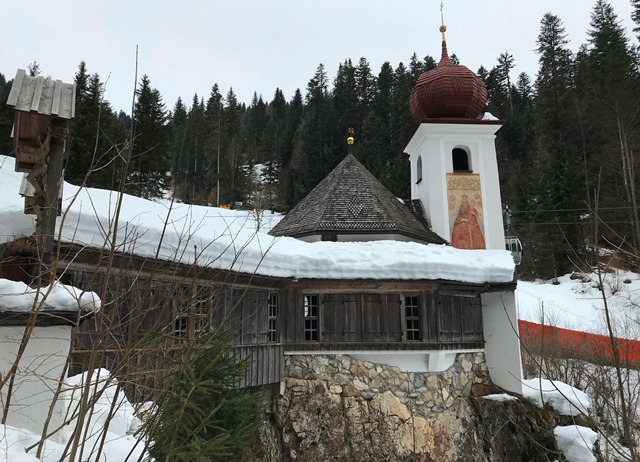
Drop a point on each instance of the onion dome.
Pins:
(448, 91)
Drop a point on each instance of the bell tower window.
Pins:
(460, 159)
(419, 170)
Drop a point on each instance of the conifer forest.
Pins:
(568, 152)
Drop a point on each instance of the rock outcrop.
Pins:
(335, 408)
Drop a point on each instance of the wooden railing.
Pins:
(265, 363)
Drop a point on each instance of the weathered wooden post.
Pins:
(43, 110)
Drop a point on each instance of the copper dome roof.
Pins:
(448, 91)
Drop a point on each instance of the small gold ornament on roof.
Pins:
(443, 28)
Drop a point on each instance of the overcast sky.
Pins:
(187, 46)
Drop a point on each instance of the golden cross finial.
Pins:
(443, 28)
(350, 139)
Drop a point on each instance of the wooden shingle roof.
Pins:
(350, 200)
(42, 96)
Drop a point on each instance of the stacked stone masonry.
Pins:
(425, 394)
(337, 408)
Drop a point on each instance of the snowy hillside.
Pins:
(577, 304)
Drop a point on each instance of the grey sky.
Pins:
(187, 46)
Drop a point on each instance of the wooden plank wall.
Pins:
(134, 309)
(380, 318)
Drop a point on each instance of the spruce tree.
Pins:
(151, 156)
(345, 97)
(195, 159)
(287, 180)
(96, 135)
(365, 87)
(610, 105)
(213, 129)
(6, 117)
(401, 123)
(635, 16)
(375, 146)
(556, 231)
(273, 142)
(234, 165)
(179, 161)
(313, 152)
(203, 416)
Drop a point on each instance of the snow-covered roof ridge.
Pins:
(238, 241)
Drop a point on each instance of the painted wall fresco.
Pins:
(466, 218)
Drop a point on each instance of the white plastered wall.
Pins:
(434, 143)
(39, 372)
(502, 342)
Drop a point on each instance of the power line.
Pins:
(585, 222)
(573, 210)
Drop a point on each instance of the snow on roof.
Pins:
(18, 297)
(238, 240)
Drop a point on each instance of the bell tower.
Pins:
(454, 171)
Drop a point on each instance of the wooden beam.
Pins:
(37, 94)
(12, 100)
(57, 91)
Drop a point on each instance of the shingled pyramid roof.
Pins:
(351, 200)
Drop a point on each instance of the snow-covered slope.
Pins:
(578, 304)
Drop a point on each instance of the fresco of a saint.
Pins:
(465, 211)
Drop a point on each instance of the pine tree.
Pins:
(416, 67)
(178, 125)
(6, 117)
(95, 136)
(287, 180)
(635, 16)
(213, 129)
(345, 97)
(558, 187)
(256, 122)
(401, 123)
(273, 142)
(204, 416)
(81, 79)
(234, 165)
(194, 159)
(151, 156)
(314, 154)
(374, 149)
(609, 102)
(365, 87)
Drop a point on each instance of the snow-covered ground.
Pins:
(578, 304)
(576, 442)
(117, 426)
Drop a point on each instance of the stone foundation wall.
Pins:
(336, 408)
(425, 394)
